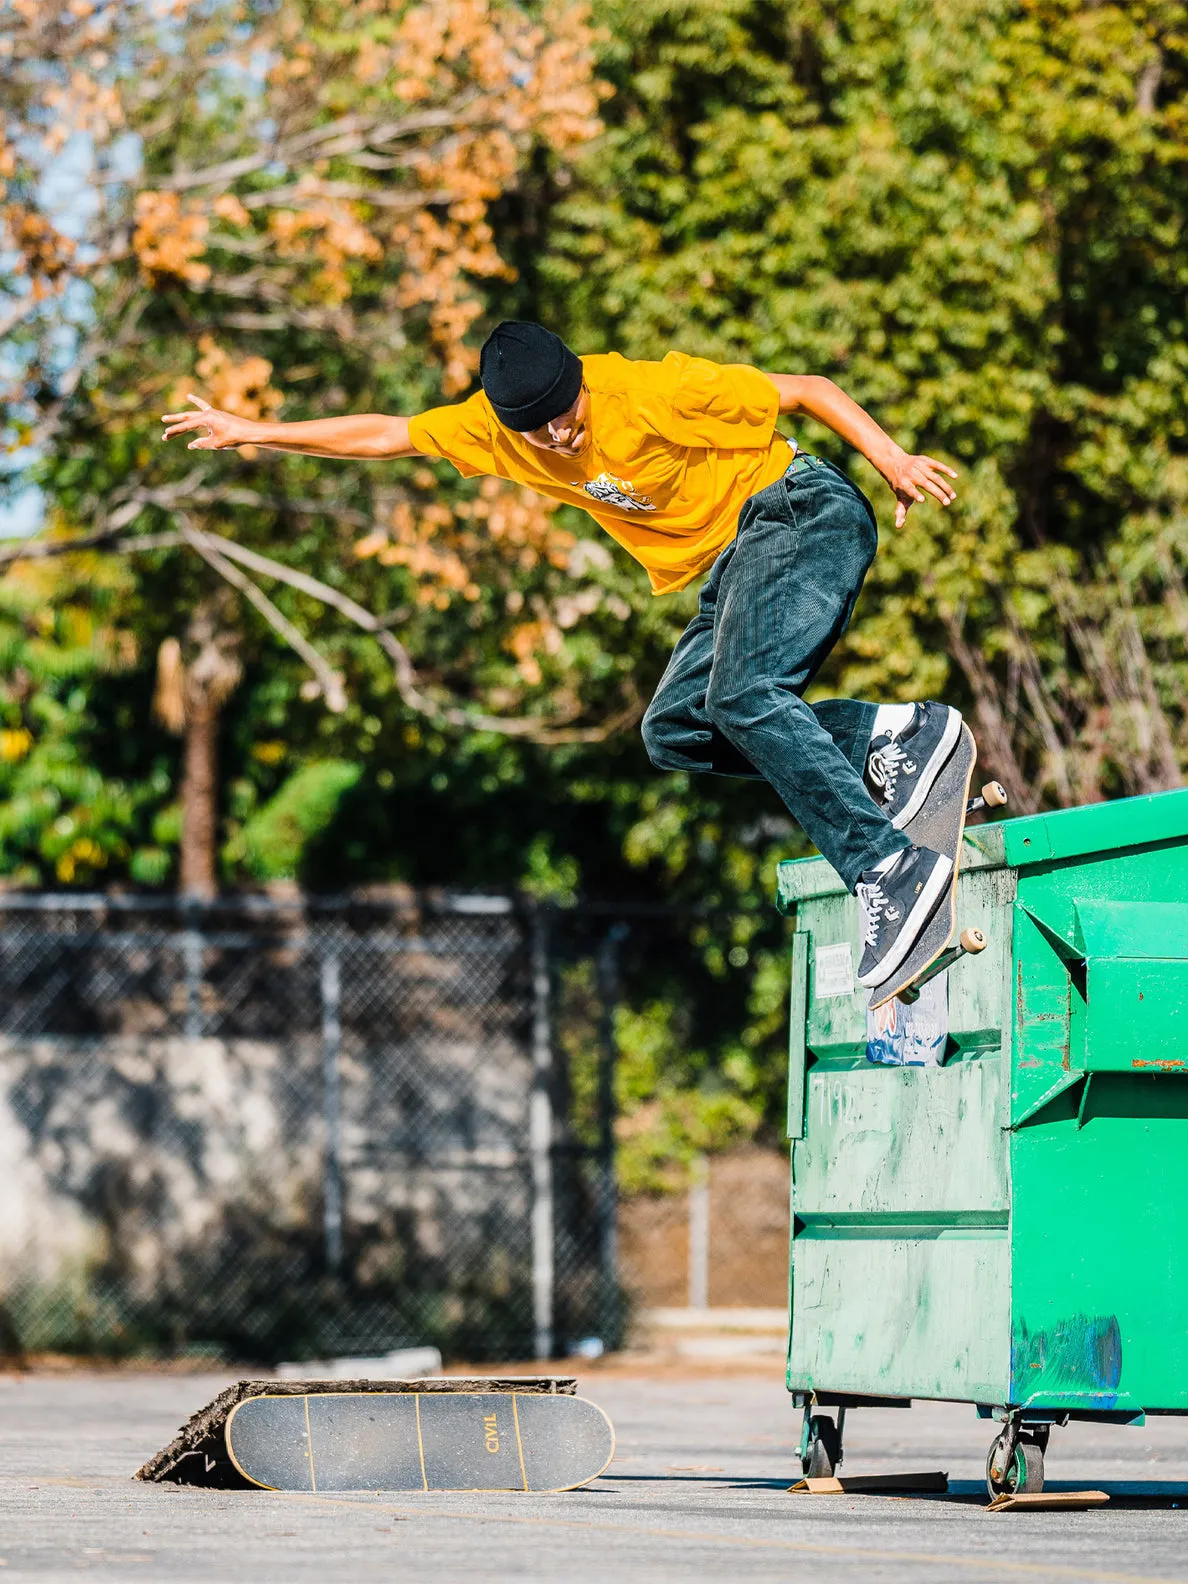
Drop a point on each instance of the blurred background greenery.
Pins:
(970, 215)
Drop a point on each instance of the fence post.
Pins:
(699, 1233)
(540, 1139)
(192, 969)
(608, 1237)
(331, 1109)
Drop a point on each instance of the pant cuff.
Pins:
(896, 842)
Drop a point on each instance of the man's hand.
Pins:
(218, 429)
(909, 475)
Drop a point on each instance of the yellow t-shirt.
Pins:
(674, 450)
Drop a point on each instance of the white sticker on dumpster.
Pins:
(833, 970)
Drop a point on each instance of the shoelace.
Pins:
(872, 899)
(883, 767)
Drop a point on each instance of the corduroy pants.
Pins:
(775, 603)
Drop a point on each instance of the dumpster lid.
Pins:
(797, 879)
(1033, 839)
(1095, 828)
(1151, 930)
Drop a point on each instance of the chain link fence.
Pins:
(275, 1130)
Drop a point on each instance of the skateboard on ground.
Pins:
(940, 824)
(419, 1441)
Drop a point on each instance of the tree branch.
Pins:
(345, 135)
(186, 492)
(219, 553)
(106, 538)
(992, 727)
(407, 683)
(329, 682)
(352, 191)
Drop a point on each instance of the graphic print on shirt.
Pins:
(617, 492)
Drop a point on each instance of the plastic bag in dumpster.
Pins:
(899, 1035)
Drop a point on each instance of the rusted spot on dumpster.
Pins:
(1080, 1355)
(1160, 1066)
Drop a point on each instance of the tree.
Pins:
(345, 244)
(973, 217)
(192, 688)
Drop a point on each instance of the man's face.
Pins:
(567, 434)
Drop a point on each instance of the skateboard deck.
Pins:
(419, 1441)
(940, 824)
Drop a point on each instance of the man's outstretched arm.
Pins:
(907, 475)
(362, 437)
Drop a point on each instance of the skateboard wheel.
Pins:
(994, 794)
(972, 940)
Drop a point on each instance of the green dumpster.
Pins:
(1005, 1227)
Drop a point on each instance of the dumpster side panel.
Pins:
(1100, 1279)
(886, 1141)
(922, 1314)
(900, 1278)
(1099, 1164)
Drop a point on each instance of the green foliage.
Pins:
(674, 1100)
(271, 843)
(685, 1081)
(66, 817)
(971, 216)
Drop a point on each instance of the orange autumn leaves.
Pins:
(444, 106)
(332, 233)
(168, 241)
(40, 120)
(236, 385)
(519, 81)
(40, 251)
(502, 535)
(319, 177)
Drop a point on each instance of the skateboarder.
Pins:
(680, 462)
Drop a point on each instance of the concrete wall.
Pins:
(141, 1165)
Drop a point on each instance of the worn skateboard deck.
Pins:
(419, 1441)
(940, 824)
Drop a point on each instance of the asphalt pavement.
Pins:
(697, 1491)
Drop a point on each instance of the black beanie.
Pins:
(529, 374)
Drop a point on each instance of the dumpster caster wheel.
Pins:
(820, 1447)
(1016, 1470)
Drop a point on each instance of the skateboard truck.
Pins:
(972, 941)
(993, 796)
(940, 825)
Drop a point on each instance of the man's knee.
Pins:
(659, 738)
(733, 709)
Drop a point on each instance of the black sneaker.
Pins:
(901, 766)
(894, 907)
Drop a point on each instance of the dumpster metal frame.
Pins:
(1002, 1229)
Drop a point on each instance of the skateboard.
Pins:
(940, 824)
(419, 1441)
